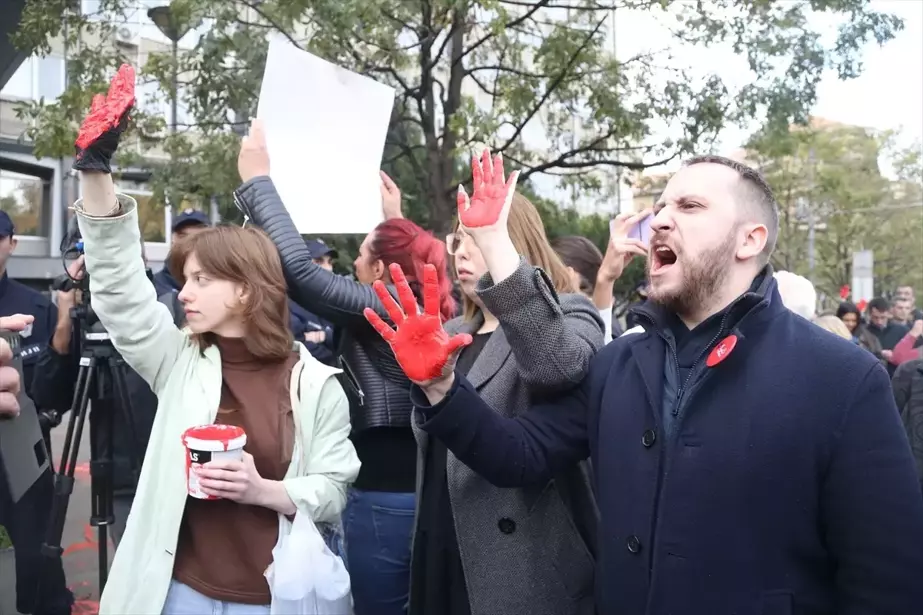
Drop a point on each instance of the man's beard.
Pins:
(701, 278)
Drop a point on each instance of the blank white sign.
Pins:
(325, 131)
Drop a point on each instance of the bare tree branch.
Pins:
(558, 163)
(598, 7)
(551, 88)
(256, 8)
(512, 24)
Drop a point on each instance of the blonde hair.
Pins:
(833, 325)
(528, 235)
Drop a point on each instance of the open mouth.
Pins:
(663, 259)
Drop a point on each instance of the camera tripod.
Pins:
(100, 364)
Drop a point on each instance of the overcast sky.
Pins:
(888, 95)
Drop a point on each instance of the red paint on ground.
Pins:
(89, 541)
(82, 471)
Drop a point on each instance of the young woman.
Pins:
(233, 364)
(378, 520)
(595, 275)
(479, 549)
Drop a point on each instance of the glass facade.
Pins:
(21, 197)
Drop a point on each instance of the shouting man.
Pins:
(746, 461)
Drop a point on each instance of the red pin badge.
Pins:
(720, 352)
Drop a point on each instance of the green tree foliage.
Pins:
(832, 172)
(466, 74)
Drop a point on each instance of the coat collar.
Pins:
(492, 357)
(760, 302)
(747, 313)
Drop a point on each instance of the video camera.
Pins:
(86, 322)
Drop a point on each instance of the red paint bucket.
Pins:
(210, 443)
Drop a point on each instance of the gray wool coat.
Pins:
(525, 551)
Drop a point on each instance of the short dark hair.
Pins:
(756, 194)
(581, 254)
(879, 304)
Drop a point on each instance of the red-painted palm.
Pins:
(422, 347)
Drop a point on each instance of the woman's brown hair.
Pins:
(244, 256)
(527, 231)
(581, 255)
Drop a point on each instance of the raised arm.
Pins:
(122, 296)
(567, 331)
(872, 509)
(536, 322)
(330, 296)
(507, 452)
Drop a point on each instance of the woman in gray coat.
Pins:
(480, 549)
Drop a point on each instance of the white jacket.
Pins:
(188, 387)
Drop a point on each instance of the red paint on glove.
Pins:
(420, 344)
(106, 112)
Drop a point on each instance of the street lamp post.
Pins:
(171, 26)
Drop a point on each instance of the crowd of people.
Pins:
(468, 423)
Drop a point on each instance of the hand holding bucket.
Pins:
(211, 444)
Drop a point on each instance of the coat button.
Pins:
(507, 526)
(648, 438)
(633, 543)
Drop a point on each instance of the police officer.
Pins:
(16, 298)
(26, 521)
(189, 221)
(311, 330)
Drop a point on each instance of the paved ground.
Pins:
(79, 542)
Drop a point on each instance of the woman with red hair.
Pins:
(378, 519)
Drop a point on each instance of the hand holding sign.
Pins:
(107, 120)
(390, 198)
(489, 206)
(253, 159)
(421, 346)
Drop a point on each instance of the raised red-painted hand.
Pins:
(107, 111)
(490, 202)
(422, 347)
(108, 117)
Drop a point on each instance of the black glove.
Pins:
(99, 134)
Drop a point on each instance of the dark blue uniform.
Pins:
(27, 520)
(302, 322)
(17, 298)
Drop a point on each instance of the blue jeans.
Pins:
(183, 600)
(378, 527)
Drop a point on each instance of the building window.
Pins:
(49, 79)
(37, 77)
(150, 213)
(21, 197)
(20, 84)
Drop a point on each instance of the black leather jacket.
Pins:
(378, 390)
